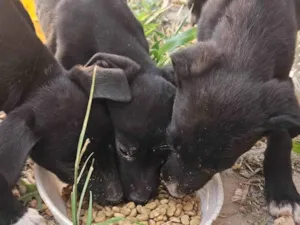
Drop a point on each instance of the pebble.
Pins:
(101, 217)
(164, 210)
(185, 220)
(188, 206)
(151, 205)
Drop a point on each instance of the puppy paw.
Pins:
(285, 209)
(31, 217)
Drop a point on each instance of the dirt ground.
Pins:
(244, 202)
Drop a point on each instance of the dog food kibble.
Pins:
(165, 210)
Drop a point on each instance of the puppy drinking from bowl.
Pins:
(45, 106)
(233, 88)
(110, 27)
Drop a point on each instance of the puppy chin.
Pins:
(173, 189)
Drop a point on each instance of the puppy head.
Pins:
(218, 115)
(51, 109)
(140, 135)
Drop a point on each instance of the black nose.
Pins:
(137, 198)
(114, 194)
(114, 199)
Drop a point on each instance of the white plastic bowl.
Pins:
(49, 187)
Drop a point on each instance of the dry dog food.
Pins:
(163, 210)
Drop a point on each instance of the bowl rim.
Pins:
(58, 215)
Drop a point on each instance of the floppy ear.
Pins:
(110, 84)
(16, 141)
(130, 67)
(195, 60)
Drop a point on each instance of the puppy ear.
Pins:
(195, 60)
(16, 141)
(110, 84)
(130, 67)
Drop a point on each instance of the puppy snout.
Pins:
(173, 190)
(114, 194)
(139, 198)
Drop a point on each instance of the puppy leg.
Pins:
(12, 211)
(282, 196)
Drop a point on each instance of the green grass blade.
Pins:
(178, 40)
(85, 187)
(296, 147)
(157, 14)
(112, 220)
(90, 211)
(77, 161)
(83, 167)
(74, 208)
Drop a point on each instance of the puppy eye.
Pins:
(123, 151)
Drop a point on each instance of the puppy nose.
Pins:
(114, 194)
(138, 199)
(173, 190)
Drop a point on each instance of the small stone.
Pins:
(154, 214)
(194, 222)
(139, 208)
(145, 222)
(107, 208)
(133, 213)
(125, 211)
(98, 207)
(188, 206)
(116, 209)
(178, 212)
(152, 222)
(162, 211)
(109, 213)
(145, 211)
(160, 218)
(175, 219)
(164, 201)
(100, 217)
(119, 215)
(142, 217)
(190, 213)
(130, 205)
(151, 205)
(171, 211)
(185, 220)
(187, 198)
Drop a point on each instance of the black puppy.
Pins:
(198, 4)
(46, 106)
(234, 88)
(110, 26)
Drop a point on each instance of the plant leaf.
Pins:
(112, 220)
(90, 211)
(296, 146)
